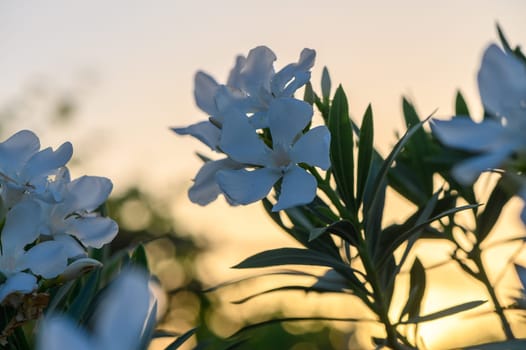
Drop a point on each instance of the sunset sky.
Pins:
(130, 67)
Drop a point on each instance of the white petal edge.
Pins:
(287, 117)
(18, 283)
(245, 187)
(298, 187)
(313, 148)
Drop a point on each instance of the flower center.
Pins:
(280, 156)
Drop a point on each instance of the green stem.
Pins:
(381, 305)
(484, 279)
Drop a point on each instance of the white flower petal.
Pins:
(21, 226)
(502, 84)
(46, 259)
(230, 101)
(205, 88)
(123, 311)
(258, 70)
(245, 187)
(58, 333)
(21, 282)
(47, 160)
(87, 193)
(469, 170)
(298, 187)
(205, 188)
(206, 132)
(287, 119)
(313, 148)
(294, 75)
(72, 248)
(93, 231)
(465, 134)
(240, 141)
(78, 268)
(16, 151)
(234, 77)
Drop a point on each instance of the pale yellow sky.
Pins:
(132, 63)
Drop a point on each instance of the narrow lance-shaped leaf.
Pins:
(445, 312)
(297, 256)
(387, 163)
(341, 150)
(487, 219)
(373, 205)
(417, 287)
(139, 257)
(418, 148)
(461, 107)
(325, 84)
(365, 153)
(416, 229)
(82, 302)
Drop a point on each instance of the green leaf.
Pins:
(82, 302)
(306, 289)
(386, 165)
(517, 51)
(139, 257)
(446, 312)
(487, 219)
(346, 231)
(342, 143)
(402, 237)
(181, 339)
(417, 287)
(417, 149)
(325, 84)
(365, 153)
(308, 95)
(298, 256)
(273, 273)
(461, 108)
(316, 232)
(303, 222)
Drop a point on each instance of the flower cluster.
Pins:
(263, 131)
(499, 141)
(48, 219)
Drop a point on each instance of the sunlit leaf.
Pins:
(341, 150)
(417, 287)
(446, 312)
(298, 256)
(365, 153)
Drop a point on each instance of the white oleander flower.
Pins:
(500, 142)
(27, 170)
(119, 319)
(18, 265)
(251, 87)
(75, 214)
(287, 119)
